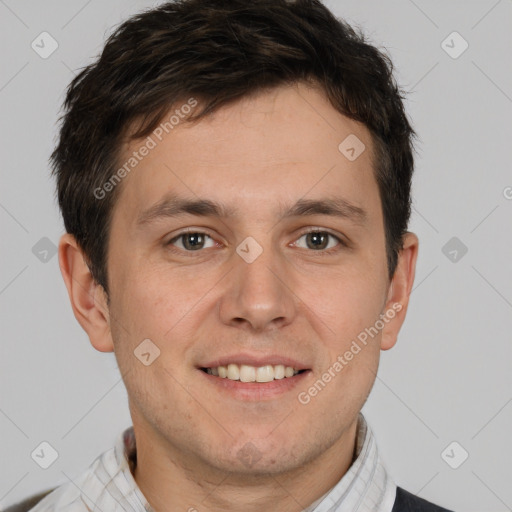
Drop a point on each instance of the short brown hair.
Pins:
(219, 51)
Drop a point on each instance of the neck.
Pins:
(172, 479)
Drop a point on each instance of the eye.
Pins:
(192, 241)
(316, 240)
(319, 241)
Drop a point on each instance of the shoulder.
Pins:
(88, 488)
(28, 503)
(407, 502)
(64, 498)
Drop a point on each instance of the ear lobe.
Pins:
(399, 291)
(88, 298)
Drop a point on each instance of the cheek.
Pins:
(350, 306)
(160, 305)
(349, 303)
(151, 296)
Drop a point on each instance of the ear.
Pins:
(399, 290)
(88, 298)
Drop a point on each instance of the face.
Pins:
(268, 277)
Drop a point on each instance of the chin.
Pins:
(260, 457)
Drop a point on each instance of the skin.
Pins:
(262, 151)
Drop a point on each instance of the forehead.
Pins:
(255, 155)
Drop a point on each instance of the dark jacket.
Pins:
(405, 502)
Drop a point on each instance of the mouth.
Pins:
(254, 383)
(254, 377)
(248, 373)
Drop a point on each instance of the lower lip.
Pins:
(255, 391)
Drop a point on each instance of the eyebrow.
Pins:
(173, 206)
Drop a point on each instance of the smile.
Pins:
(247, 373)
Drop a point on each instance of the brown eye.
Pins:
(320, 241)
(191, 241)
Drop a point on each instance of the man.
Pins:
(234, 179)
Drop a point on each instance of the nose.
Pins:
(259, 295)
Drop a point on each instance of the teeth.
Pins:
(279, 371)
(246, 373)
(265, 373)
(288, 372)
(233, 372)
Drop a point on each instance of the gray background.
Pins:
(448, 379)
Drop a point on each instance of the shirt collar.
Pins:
(366, 486)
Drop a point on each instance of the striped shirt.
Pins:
(108, 484)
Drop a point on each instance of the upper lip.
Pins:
(255, 360)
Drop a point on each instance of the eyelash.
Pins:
(324, 252)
